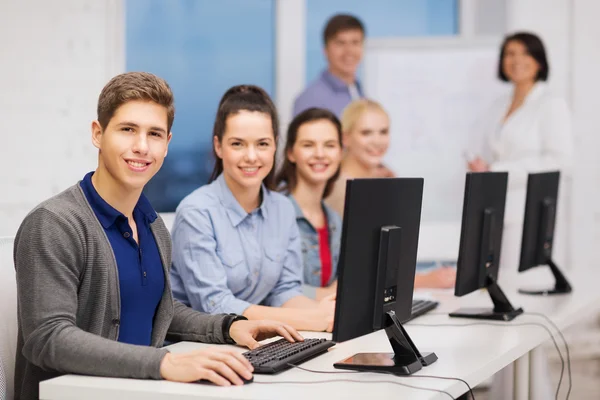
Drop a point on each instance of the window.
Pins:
(201, 48)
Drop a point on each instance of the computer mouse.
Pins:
(207, 382)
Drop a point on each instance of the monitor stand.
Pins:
(502, 311)
(405, 360)
(561, 286)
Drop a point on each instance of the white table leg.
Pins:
(521, 386)
(540, 385)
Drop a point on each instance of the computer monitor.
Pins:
(376, 271)
(538, 229)
(480, 244)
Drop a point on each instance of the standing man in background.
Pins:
(337, 86)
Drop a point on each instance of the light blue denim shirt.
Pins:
(310, 247)
(225, 259)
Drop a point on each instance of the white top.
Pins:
(354, 93)
(535, 138)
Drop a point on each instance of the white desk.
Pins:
(472, 353)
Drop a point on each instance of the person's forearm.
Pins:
(299, 318)
(301, 302)
(195, 326)
(68, 349)
(322, 292)
(421, 281)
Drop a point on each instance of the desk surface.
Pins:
(471, 353)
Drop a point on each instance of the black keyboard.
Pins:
(274, 357)
(420, 307)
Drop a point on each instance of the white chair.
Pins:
(8, 314)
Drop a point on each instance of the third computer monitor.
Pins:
(538, 229)
(480, 244)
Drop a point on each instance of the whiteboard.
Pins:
(435, 91)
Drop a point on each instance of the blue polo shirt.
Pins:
(140, 269)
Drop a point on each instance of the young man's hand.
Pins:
(221, 366)
(249, 333)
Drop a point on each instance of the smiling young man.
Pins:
(92, 265)
(337, 86)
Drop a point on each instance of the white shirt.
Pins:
(354, 93)
(535, 138)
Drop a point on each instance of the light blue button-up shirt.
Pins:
(225, 259)
(327, 91)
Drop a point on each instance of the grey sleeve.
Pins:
(49, 260)
(196, 326)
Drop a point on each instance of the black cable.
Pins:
(353, 381)
(387, 372)
(562, 360)
(565, 343)
(447, 378)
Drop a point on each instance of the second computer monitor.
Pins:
(480, 244)
(481, 230)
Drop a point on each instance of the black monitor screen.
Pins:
(370, 205)
(481, 230)
(540, 215)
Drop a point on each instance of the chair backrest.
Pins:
(8, 314)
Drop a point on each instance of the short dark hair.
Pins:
(339, 23)
(286, 179)
(132, 86)
(535, 48)
(244, 98)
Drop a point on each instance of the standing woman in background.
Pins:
(528, 130)
(236, 245)
(366, 138)
(313, 153)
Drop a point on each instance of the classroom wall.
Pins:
(584, 92)
(570, 32)
(56, 57)
(61, 53)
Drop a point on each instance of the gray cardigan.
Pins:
(69, 300)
